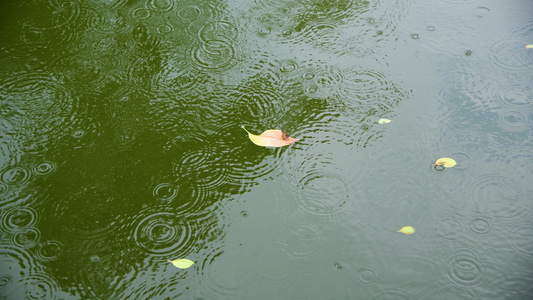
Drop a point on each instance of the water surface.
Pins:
(121, 148)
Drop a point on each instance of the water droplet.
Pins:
(164, 233)
(165, 191)
(367, 275)
(513, 120)
(44, 168)
(468, 52)
(430, 28)
(5, 280)
(49, 250)
(264, 31)
(286, 32)
(244, 213)
(414, 36)
(78, 133)
(480, 225)
(288, 66)
(439, 169)
(481, 11)
(141, 13)
(164, 29)
(95, 258)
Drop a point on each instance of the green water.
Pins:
(121, 148)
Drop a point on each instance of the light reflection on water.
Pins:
(121, 147)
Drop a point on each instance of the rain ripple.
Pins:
(520, 239)
(165, 191)
(48, 251)
(321, 191)
(466, 269)
(218, 48)
(40, 286)
(26, 239)
(16, 176)
(367, 275)
(214, 55)
(497, 196)
(18, 219)
(58, 14)
(480, 225)
(156, 284)
(513, 120)
(191, 11)
(258, 103)
(322, 82)
(392, 294)
(509, 53)
(46, 105)
(302, 241)
(104, 21)
(199, 163)
(509, 284)
(160, 5)
(159, 231)
(44, 168)
(449, 228)
(17, 264)
(90, 212)
(218, 283)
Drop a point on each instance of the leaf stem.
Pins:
(242, 126)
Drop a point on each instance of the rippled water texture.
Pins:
(121, 148)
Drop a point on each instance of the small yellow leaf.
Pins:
(445, 161)
(384, 121)
(529, 47)
(182, 263)
(271, 138)
(407, 230)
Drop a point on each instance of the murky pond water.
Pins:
(121, 148)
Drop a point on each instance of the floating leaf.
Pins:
(182, 263)
(445, 161)
(271, 138)
(407, 230)
(529, 47)
(384, 121)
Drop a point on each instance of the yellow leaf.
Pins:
(407, 230)
(384, 121)
(447, 162)
(271, 138)
(529, 47)
(182, 263)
